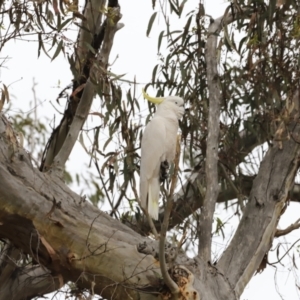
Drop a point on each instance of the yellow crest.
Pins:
(152, 99)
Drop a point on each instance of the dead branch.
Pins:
(162, 241)
(292, 227)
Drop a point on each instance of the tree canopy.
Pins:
(239, 148)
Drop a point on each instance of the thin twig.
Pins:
(282, 257)
(114, 208)
(163, 266)
(184, 235)
(105, 189)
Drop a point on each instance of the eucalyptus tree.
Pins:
(239, 76)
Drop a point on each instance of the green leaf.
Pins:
(5, 91)
(154, 74)
(227, 41)
(173, 70)
(58, 49)
(63, 24)
(107, 142)
(174, 8)
(41, 46)
(242, 42)
(82, 27)
(90, 47)
(54, 41)
(58, 20)
(186, 28)
(150, 23)
(38, 19)
(128, 96)
(61, 2)
(161, 35)
(181, 7)
(49, 16)
(117, 77)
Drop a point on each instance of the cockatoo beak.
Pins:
(152, 99)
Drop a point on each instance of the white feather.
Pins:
(158, 145)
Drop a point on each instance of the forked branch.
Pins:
(98, 73)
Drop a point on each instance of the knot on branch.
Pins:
(164, 171)
(184, 278)
(151, 248)
(170, 253)
(148, 248)
(114, 15)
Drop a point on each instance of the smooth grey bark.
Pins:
(92, 24)
(85, 66)
(268, 197)
(212, 148)
(76, 242)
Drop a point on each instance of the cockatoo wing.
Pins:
(152, 154)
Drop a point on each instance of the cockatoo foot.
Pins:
(163, 174)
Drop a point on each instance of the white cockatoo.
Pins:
(158, 145)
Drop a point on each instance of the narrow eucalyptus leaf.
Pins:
(151, 21)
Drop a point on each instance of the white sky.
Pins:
(136, 56)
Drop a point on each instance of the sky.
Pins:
(134, 54)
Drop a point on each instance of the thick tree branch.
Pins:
(91, 34)
(64, 233)
(267, 199)
(17, 282)
(80, 65)
(29, 282)
(98, 72)
(189, 199)
(77, 242)
(211, 164)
